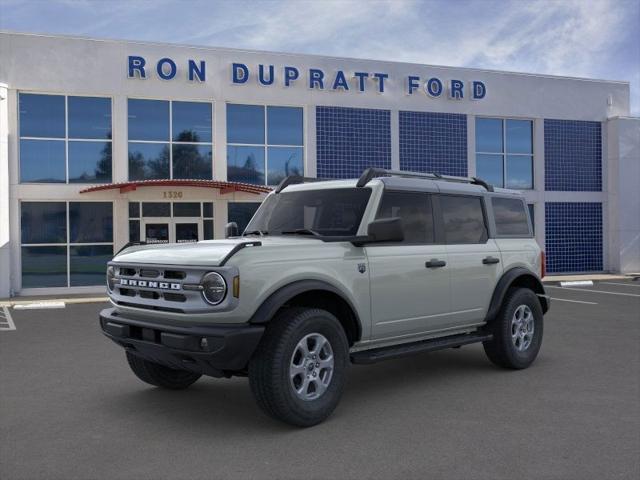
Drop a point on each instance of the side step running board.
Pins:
(397, 351)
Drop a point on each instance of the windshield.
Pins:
(331, 212)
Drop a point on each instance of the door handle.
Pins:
(490, 260)
(435, 263)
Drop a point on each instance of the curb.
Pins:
(70, 301)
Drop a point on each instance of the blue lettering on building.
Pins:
(261, 76)
(240, 73)
(197, 71)
(345, 81)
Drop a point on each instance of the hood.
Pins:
(209, 252)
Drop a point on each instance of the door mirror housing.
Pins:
(231, 230)
(385, 230)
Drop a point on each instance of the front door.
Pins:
(171, 230)
(410, 280)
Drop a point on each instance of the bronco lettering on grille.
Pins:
(128, 282)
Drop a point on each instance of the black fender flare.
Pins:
(522, 276)
(280, 297)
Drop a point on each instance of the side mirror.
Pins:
(385, 230)
(231, 230)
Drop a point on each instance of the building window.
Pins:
(170, 140)
(504, 152)
(65, 139)
(166, 215)
(264, 144)
(241, 213)
(65, 244)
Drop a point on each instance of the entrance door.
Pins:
(156, 230)
(171, 230)
(187, 230)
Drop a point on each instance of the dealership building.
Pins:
(106, 142)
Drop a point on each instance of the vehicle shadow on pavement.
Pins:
(221, 405)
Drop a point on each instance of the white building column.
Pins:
(623, 194)
(5, 243)
(395, 139)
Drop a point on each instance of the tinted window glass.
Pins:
(42, 161)
(148, 161)
(519, 172)
(90, 222)
(44, 222)
(134, 230)
(134, 210)
(245, 124)
(207, 210)
(283, 161)
(148, 119)
(191, 121)
(208, 230)
(186, 209)
(88, 264)
(192, 161)
(89, 117)
(463, 219)
(519, 134)
(41, 116)
(241, 213)
(336, 212)
(44, 267)
(510, 216)
(245, 164)
(415, 211)
(489, 135)
(489, 168)
(89, 162)
(284, 125)
(156, 209)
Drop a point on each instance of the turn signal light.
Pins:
(236, 286)
(543, 265)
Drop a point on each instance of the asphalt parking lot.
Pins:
(71, 409)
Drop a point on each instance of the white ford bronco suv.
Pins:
(329, 273)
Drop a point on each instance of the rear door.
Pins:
(474, 259)
(410, 279)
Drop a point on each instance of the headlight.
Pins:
(111, 278)
(214, 288)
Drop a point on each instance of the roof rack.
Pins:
(371, 173)
(295, 179)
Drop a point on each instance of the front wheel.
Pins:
(297, 374)
(159, 375)
(517, 330)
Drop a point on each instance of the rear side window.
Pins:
(415, 211)
(511, 217)
(463, 219)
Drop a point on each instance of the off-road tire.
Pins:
(159, 375)
(269, 374)
(501, 349)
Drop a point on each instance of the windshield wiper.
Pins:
(301, 231)
(262, 233)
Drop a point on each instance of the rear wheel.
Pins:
(517, 330)
(159, 375)
(298, 372)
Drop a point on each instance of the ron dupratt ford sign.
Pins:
(313, 78)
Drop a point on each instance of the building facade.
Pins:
(107, 142)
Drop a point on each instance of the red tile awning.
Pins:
(224, 187)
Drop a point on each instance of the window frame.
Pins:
(504, 154)
(66, 139)
(67, 244)
(485, 217)
(170, 142)
(266, 145)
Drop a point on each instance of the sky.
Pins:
(579, 38)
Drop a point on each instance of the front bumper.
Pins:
(227, 349)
